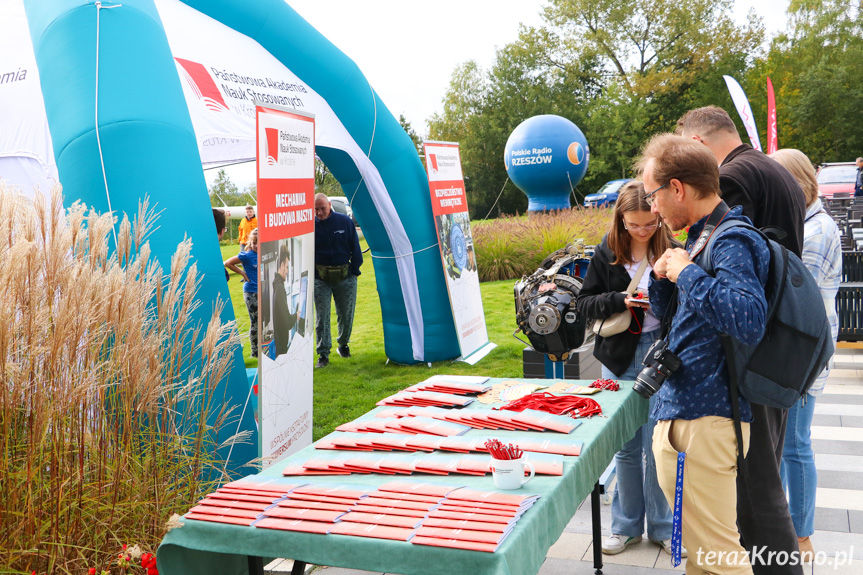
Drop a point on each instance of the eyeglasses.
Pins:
(634, 228)
(649, 197)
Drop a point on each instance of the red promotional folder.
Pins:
(425, 442)
(376, 531)
(363, 508)
(545, 463)
(462, 534)
(340, 491)
(323, 515)
(273, 485)
(419, 487)
(472, 516)
(462, 444)
(392, 441)
(383, 519)
(367, 463)
(472, 525)
(296, 468)
(508, 420)
(401, 464)
(495, 497)
(432, 426)
(294, 525)
(407, 496)
(251, 492)
(455, 544)
(226, 511)
(302, 504)
(384, 502)
(474, 464)
(220, 519)
(323, 498)
(559, 423)
(228, 496)
(251, 505)
(336, 463)
(464, 507)
(557, 446)
(438, 463)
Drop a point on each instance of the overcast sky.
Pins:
(409, 49)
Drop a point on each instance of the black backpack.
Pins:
(797, 344)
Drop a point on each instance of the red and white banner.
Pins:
(286, 254)
(738, 96)
(772, 133)
(452, 221)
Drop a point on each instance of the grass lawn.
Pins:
(350, 387)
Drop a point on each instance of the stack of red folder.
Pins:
(240, 502)
(403, 442)
(410, 425)
(389, 463)
(313, 508)
(450, 384)
(471, 519)
(426, 398)
(527, 420)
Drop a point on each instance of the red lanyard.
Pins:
(570, 405)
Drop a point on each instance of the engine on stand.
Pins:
(545, 304)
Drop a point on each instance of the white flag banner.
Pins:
(741, 102)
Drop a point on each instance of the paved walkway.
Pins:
(837, 432)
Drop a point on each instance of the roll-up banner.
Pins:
(452, 221)
(286, 230)
(772, 133)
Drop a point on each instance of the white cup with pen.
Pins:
(508, 465)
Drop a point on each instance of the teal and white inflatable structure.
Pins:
(118, 101)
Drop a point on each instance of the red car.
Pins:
(836, 177)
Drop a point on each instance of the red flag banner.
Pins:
(772, 134)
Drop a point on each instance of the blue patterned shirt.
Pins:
(733, 302)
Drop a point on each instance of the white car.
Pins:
(340, 204)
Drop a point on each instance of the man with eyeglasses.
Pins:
(693, 408)
(338, 258)
(771, 198)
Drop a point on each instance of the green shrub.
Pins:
(512, 246)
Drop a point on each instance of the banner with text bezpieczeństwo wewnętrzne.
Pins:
(452, 221)
(286, 330)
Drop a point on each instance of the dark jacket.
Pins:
(337, 243)
(601, 297)
(768, 193)
(283, 319)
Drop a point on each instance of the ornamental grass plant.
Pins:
(106, 403)
(512, 246)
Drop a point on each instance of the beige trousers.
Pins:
(709, 511)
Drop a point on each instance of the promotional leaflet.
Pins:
(286, 224)
(452, 222)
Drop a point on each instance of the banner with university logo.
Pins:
(452, 221)
(286, 230)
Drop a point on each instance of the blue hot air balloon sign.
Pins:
(546, 157)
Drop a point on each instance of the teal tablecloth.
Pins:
(203, 548)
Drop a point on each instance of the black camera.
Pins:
(660, 362)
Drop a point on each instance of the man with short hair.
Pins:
(693, 407)
(283, 319)
(338, 258)
(772, 198)
(858, 184)
(249, 223)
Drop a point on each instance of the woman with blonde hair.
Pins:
(822, 254)
(628, 251)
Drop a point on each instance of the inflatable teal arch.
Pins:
(149, 149)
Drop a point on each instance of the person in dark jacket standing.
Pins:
(636, 234)
(770, 197)
(338, 258)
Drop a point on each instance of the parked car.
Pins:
(606, 196)
(836, 177)
(340, 204)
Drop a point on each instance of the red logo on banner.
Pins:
(433, 160)
(272, 146)
(202, 84)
